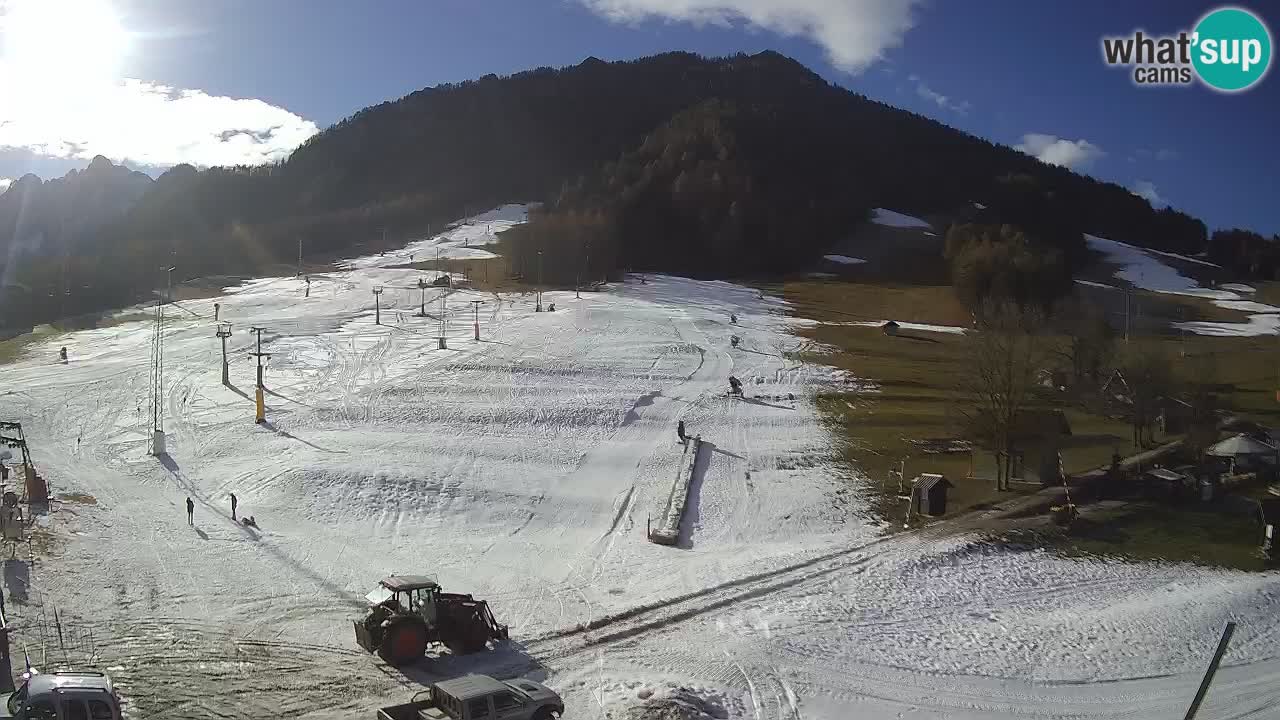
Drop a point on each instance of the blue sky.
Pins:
(1019, 73)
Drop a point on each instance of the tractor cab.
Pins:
(406, 594)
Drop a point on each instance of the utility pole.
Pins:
(422, 285)
(1127, 295)
(476, 317)
(377, 306)
(157, 370)
(443, 329)
(299, 256)
(538, 305)
(1213, 669)
(259, 401)
(224, 332)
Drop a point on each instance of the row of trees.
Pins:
(1246, 253)
(992, 263)
(1012, 347)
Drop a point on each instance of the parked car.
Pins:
(473, 697)
(64, 695)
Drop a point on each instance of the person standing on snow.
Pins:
(680, 431)
(191, 512)
(233, 506)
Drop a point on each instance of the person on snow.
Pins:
(191, 512)
(233, 506)
(680, 431)
(733, 319)
(63, 353)
(734, 341)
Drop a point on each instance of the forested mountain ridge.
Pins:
(673, 162)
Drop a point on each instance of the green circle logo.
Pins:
(1231, 49)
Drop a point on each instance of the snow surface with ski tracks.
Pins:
(523, 469)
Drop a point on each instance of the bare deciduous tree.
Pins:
(1004, 354)
(1090, 344)
(1148, 373)
(1201, 377)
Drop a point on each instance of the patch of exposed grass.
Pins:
(1158, 532)
(13, 348)
(78, 498)
(1267, 292)
(829, 301)
(916, 397)
(486, 274)
(1247, 369)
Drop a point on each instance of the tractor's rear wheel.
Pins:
(403, 643)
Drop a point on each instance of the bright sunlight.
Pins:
(61, 45)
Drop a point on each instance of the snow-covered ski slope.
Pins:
(523, 469)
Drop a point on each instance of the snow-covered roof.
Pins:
(1165, 474)
(926, 481)
(471, 686)
(400, 583)
(1238, 446)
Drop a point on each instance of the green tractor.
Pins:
(409, 612)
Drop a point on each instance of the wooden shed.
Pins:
(930, 494)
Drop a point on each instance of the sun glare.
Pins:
(61, 45)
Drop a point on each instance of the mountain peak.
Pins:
(99, 163)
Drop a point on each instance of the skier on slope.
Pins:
(191, 512)
(680, 431)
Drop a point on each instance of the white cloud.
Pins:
(854, 33)
(146, 123)
(5, 183)
(946, 103)
(1054, 150)
(1147, 190)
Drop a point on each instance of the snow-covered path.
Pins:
(522, 468)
